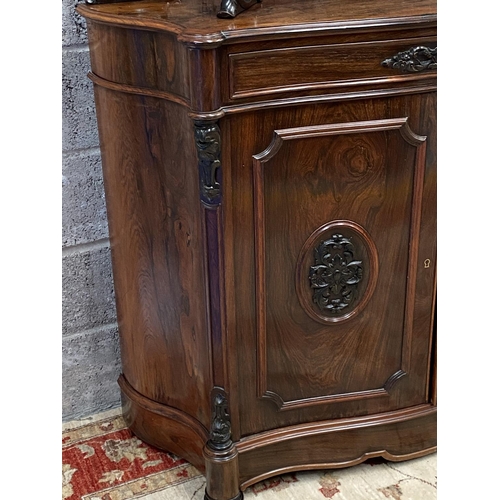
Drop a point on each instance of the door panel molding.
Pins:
(259, 162)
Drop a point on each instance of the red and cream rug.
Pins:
(103, 460)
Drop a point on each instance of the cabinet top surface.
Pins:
(196, 21)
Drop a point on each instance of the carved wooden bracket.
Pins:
(413, 60)
(231, 8)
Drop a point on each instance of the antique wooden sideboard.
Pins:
(271, 193)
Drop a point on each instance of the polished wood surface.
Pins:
(272, 71)
(316, 192)
(362, 190)
(322, 49)
(271, 194)
(396, 436)
(163, 426)
(157, 248)
(195, 21)
(158, 61)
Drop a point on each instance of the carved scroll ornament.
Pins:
(335, 275)
(413, 60)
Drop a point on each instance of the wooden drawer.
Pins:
(316, 67)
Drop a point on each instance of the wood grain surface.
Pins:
(195, 21)
(272, 71)
(305, 185)
(234, 153)
(157, 248)
(395, 436)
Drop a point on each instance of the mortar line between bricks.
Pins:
(78, 47)
(76, 152)
(85, 247)
(90, 331)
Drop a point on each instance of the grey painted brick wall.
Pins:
(90, 347)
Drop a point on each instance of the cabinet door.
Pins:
(332, 259)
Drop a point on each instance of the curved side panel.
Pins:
(396, 436)
(163, 426)
(157, 248)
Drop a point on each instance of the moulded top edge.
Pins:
(195, 21)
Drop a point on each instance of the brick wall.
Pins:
(91, 359)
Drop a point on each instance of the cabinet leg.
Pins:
(222, 473)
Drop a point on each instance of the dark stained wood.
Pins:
(293, 219)
(130, 89)
(140, 58)
(215, 294)
(361, 164)
(236, 155)
(157, 248)
(222, 473)
(365, 252)
(334, 444)
(272, 71)
(195, 21)
(315, 99)
(163, 426)
(204, 67)
(413, 60)
(313, 62)
(433, 363)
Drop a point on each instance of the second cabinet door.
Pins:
(331, 258)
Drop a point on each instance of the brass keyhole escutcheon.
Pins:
(427, 263)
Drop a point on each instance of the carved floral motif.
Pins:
(335, 275)
(413, 60)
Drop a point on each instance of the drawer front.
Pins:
(292, 69)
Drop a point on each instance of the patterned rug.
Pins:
(103, 460)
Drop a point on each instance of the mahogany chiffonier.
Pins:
(271, 193)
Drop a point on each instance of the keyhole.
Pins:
(427, 263)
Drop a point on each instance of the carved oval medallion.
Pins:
(336, 271)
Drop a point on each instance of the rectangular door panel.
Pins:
(334, 207)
